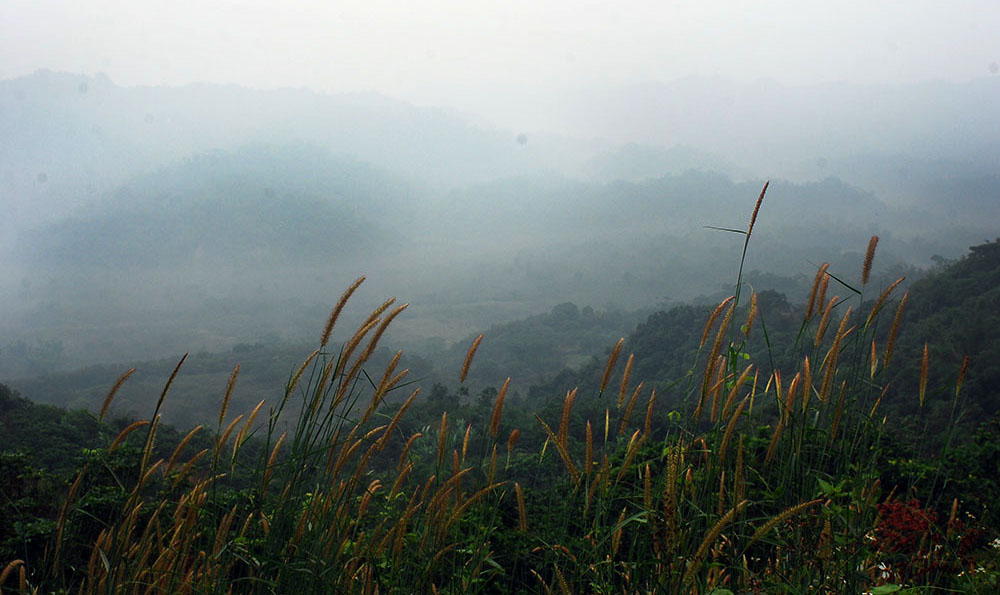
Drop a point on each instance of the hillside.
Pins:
(953, 309)
(836, 470)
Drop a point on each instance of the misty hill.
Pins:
(547, 354)
(68, 138)
(956, 311)
(255, 206)
(953, 309)
(531, 349)
(145, 222)
(182, 259)
(802, 131)
(196, 393)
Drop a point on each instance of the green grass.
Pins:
(756, 472)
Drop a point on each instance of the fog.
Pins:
(177, 178)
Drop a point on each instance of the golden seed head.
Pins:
(335, 313)
(469, 356)
(869, 256)
(611, 363)
(756, 209)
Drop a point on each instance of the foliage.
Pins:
(766, 466)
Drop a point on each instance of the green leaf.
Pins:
(885, 589)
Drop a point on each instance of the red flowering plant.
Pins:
(916, 548)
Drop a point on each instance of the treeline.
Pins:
(760, 437)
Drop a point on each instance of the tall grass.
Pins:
(755, 475)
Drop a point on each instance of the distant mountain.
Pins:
(258, 206)
(142, 221)
(635, 162)
(797, 132)
(68, 138)
(954, 309)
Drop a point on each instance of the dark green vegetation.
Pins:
(785, 448)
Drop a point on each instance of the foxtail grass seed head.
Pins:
(731, 397)
(824, 321)
(124, 433)
(815, 304)
(498, 409)
(229, 393)
(114, 390)
(616, 538)
(224, 437)
(10, 569)
(560, 447)
(873, 364)
(824, 284)
(878, 402)
(779, 394)
(793, 389)
(647, 426)
(881, 301)
(465, 441)
(335, 313)
(806, 383)
(952, 515)
(564, 418)
(711, 319)
(406, 450)
(780, 518)
(625, 375)
(515, 435)
(961, 375)
(630, 451)
(628, 409)
(611, 364)
(294, 381)
(751, 315)
(180, 447)
(694, 565)
(395, 418)
(563, 585)
(468, 357)
(721, 377)
(442, 437)
(756, 209)
(833, 355)
(866, 270)
(730, 428)
(272, 458)
(714, 358)
(772, 448)
(842, 330)
(722, 493)
(373, 342)
(383, 323)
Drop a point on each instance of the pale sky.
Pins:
(431, 52)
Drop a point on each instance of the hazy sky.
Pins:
(433, 51)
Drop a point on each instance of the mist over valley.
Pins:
(145, 222)
(499, 297)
